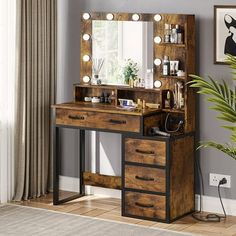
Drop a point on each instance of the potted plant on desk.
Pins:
(130, 72)
(223, 99)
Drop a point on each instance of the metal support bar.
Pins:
(56, 161)
(56, 166)
(82, 161)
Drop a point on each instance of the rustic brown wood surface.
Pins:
(104, 108)
(145, 151)
(156, 120)
(123, 92)
(105, 181)
(145, 178)
(86, 49)
(98, 120)
(148, 205)
(182, 176)
(185, 53)
(116, 87)
(190, 94)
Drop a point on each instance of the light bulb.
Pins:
(86, 16)
(157, 39)
(86, 58)
(157, 61)
(135, 17)
(109, 16)
(86, 79)
(157, 17)
(86, 37)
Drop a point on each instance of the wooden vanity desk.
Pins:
(157, 180)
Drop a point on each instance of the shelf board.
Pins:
(179, 45)
(173, 77)
(114, 87)
(104, 107)
(174, 110)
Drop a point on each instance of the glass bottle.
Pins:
(167, 33)
(173, 36)
(105, 97)
(102, 98)
(167, 100)
(166, 66)
(112, 98)
(179, 34)
(149, 79)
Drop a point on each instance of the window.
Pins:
(114, 42)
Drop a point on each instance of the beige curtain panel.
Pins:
(36, 65)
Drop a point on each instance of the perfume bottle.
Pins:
(179, 34)
(112, 98)
(167, 100)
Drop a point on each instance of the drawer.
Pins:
(145, 205)
(99, 120)
(145, 178)
(145, 151)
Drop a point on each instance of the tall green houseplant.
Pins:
(223, 99)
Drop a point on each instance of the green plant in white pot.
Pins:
(130, 70)
(223, 99)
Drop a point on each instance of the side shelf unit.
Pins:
(185, 54)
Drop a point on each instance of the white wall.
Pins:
(7, 95)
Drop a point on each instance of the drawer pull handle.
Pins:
(144, 178)
(76, 117)
(144, 152)
(117, 121)
(144, 205)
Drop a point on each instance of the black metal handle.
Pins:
(77, 117)
(144, 205)
(144, 178)
(144, 152)
(117, 121)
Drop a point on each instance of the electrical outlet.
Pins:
(214, 180)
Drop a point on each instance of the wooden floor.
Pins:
(110, 208)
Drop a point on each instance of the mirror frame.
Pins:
(86, 45)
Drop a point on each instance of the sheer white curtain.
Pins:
(7, 96)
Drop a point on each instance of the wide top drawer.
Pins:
(98, 120)
(145, 151)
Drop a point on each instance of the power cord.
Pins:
(172, 131)
(209, 217)
(223, 181)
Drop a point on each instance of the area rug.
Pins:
(24, 221)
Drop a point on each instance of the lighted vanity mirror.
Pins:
(117, 43)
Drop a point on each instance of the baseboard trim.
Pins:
(209, 204)
(72, 184)
(212, 204)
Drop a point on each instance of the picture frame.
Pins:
(224, 32)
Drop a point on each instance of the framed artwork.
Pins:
(225, 32)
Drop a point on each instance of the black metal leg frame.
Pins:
(57, 161)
